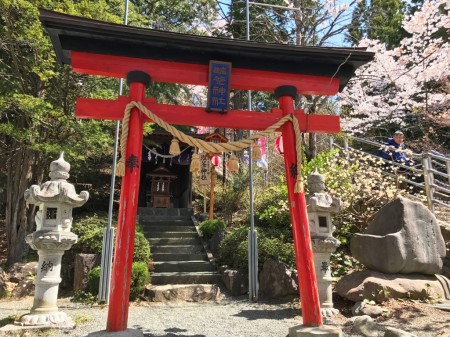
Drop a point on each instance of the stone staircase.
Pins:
(177, 250)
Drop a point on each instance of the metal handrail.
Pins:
(431, 164)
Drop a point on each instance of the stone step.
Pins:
(154, 242)
(183, 292)
(167, 223)
(165, 212)
(150, 229)
(186, 278)
(181, 234)
(178, 257)
(183, 266)
(182, 249)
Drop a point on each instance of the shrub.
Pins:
(90, 237)
(209, 227)
(93, 280)
(81, 296)
(90, 233)
(140, 277)
(141, 248)
(232, 196)
(233, 251)
(273, 247)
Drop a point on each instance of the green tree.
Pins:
(37, 96)
(37, 99)
(356, 29)
(267, 24)
(185, 16)
(378, 20)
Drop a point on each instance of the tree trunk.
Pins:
(312, 145)
(17, 215)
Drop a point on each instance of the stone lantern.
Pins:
(52, 237)
(320, 206)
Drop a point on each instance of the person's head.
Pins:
(398, 137)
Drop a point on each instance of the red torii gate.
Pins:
(141, 55)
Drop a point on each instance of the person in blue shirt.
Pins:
(394, 149)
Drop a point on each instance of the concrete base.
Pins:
(126, 333)
(311, 331)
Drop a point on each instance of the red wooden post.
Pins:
(124, 247)
(309, 294)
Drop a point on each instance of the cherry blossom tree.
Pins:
(406, 85)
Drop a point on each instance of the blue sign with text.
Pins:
(219, 86)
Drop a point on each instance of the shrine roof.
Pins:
(71, 33)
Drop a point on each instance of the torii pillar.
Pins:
(98, 48)
(129, 196)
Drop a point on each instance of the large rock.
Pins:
(236, 281)
(276, 280)
(83, 264)
(404, 237)
(215, 241)
(19, 272)
(21, 279)
(373, 285)
(3, 283)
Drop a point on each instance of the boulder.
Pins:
(404, 237)
(362, 308)
(3, 283)
(24, 288)
(364, 326)
(236, 281)
(22, 271)
(83, 264)
(215, 241)
(394, 332)
(277, 280)
(373, 285)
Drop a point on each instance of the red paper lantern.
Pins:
(216, 160)
(279, 144)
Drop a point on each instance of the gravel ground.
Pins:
(231, 317)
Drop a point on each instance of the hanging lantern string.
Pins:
(209, 146)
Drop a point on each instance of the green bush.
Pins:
(233, 250)
(93, 280)
(274, 247)
(90, 237)
(141, 248)
(140, 277)
(80, 296)
(209, 227)
(272, 208)
(90, 233)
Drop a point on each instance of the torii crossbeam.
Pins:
(99, 48)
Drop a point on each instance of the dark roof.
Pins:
(86, 35)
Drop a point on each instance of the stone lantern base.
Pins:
(46, 319)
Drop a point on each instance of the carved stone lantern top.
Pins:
(57, 189)
(320, 206)
(318, 199)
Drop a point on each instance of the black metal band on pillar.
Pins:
(138, 76)
(286, 90)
